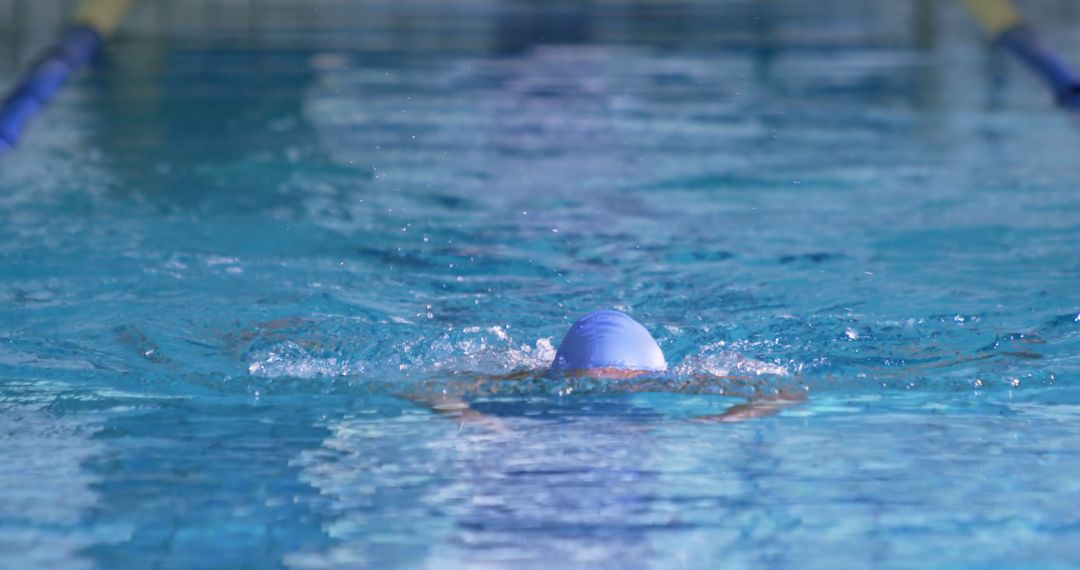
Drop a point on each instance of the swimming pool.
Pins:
(220, 263)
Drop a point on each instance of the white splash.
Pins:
(289, 359)
(717, 360)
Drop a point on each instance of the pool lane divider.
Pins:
(77, 46)
(1004, 24)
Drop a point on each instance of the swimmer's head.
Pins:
(608, 342)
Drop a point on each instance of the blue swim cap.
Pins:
(608, 339)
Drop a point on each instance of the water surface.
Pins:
(221, 264)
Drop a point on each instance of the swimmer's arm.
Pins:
(451, 402)
(454, 406)
(760, 404)
(758, 407)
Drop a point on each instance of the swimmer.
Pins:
(607, 345)
(612, 345)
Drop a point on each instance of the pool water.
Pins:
(222, 266)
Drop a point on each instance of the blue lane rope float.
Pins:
(1052, 68)
(39, 85)
(1004, 24)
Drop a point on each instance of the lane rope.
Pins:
(1005, 25)
(94, 20)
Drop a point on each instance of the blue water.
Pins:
(223, 265)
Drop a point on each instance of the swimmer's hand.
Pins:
(757, 407)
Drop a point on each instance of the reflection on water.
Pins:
(204, 485)
(45, 491)
(568, 482)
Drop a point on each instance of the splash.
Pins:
(488, 360)
(487, 350)
(718, 359)
(289, 359)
